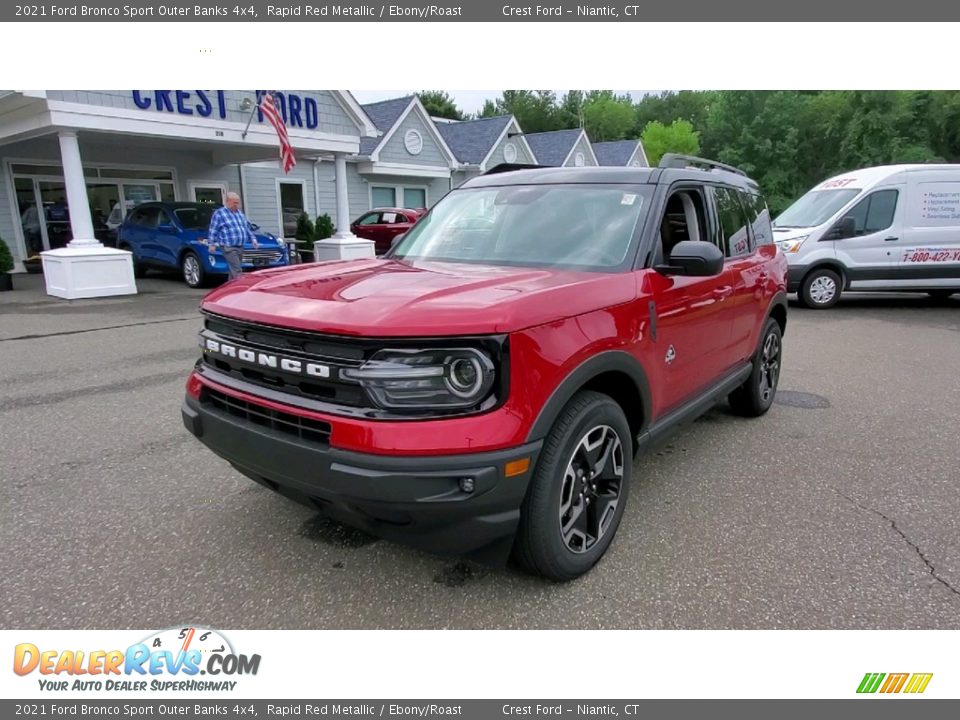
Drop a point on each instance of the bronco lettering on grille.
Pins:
(262, 359)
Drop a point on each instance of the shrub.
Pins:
(304, 228)
(6, 259)
(324, 227)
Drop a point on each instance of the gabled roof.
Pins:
(618, 153)
(472, 140)
(383, 114)
(554, 147)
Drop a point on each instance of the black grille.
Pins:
(332, 352)
(308, 429)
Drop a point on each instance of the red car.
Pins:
(485, 387)
(382, 225)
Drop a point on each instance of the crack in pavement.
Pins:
(908, 541)
(98, 329)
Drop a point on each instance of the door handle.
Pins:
(723, 292)
(891, 239)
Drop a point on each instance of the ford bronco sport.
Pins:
(485, 386)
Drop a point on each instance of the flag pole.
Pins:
(256, 104)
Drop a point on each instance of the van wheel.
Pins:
(821, 289)
(579, 489)
(755, 396)
(138, 267)
(192, 270)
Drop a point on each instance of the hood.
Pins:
(388, 298)
(780, 234)
(263, 239)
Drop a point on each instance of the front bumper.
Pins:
(417, 501)
(795, 275)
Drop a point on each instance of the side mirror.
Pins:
(846, 228)
(693, 258)
(166, 228)
(254, 227)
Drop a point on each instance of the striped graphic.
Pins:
(894, 683)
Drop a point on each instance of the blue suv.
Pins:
(167, 236)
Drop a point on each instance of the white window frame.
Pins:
(397, 193)
(303, 190)
(192, 186)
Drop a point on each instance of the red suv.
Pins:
(485, 387)
(383, 225)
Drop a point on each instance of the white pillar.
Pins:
(343, 199)
(344, 245)
(81, 224)
(85, 268)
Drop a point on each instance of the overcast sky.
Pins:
(469, 101)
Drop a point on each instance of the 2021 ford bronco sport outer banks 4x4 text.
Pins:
(485, 386)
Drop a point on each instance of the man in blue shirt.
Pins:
(230, 229)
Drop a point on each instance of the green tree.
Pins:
(677, 137)
(489, 109)
(535, 110)
(608, 117)
(690, 105)
(6, 259)
(305, 229)
(323, 228)
(440, 104)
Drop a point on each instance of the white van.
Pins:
(891, 228)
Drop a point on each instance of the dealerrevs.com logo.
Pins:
(167, 660)
(892, 683)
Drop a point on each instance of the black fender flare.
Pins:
(779, 301)
(607, 361)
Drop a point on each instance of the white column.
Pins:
(344, 245)
(81, 224)
(85, 268)
(343, 199)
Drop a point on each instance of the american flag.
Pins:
(269, 110)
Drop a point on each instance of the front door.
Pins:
(873, 253)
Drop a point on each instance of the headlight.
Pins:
(434, 378)
(793, 245)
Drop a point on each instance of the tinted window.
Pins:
(759, 217)
(733, 222)
(371, 219)
(146, 217)
(875, 212)
(196, 218)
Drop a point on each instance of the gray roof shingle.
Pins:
(551, 148)
(471, 140)
(616, 153)
(383, 114)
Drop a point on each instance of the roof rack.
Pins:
(509, 167)
(675, 160)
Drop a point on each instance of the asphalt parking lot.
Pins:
(839, 509)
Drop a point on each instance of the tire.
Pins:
(191, 270)
(940, 295)
(139, 270)
(756, 395)
(556, 540)
(820, 289)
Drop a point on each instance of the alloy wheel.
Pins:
(769, 367)
(191, 271)
(591, 489)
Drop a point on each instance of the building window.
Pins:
(390, 195)
(579, 159)
(510, 152)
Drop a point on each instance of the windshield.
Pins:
(815, 208)
(584, 227)
(195, 218)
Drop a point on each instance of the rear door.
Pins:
(930, 249)
(746, 267)
(136, 232)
